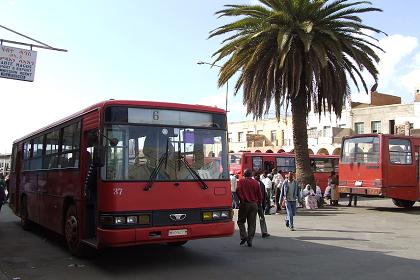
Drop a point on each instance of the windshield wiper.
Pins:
(153, 176)
(192, 171)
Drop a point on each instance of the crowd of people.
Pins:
(264, 193)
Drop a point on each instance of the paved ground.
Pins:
(373, 241)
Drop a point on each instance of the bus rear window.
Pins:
(360, 149)
(400, 151)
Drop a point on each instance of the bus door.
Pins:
(268, 166)
(89, 172)
(15, 178)
(401, 173)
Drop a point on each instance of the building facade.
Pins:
(384, 114)
(5, 161)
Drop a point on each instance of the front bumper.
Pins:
(137, 236)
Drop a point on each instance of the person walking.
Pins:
(249, 195)
(2, 189)
(233, 187)
(290, 191)
(267, 181)
(333, 183)
(261, 207)
(278, 182)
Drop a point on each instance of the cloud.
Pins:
(391, 67)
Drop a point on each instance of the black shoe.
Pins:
(348, 205)
(265, 235)
(249, 243)
(287, 223)
(242, 242)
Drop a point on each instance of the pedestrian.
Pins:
(7, 180)
(352, 197)
(249, 195)
(2, 189)
(261, 207)
(268, 188)
(290, 191)
(233, 186)
(333, 183)
(278, 181)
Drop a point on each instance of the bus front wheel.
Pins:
(71, 231)
(403, 203)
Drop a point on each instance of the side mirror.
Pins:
(98, 156)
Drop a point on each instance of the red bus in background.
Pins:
(322, 165)
(123, 173)
(382, 166)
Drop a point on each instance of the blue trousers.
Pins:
(291, 212)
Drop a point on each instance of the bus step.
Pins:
(92, 242)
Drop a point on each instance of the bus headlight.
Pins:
(217, 215)
(132, 220)
(119, 220)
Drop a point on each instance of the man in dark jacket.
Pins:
(263, 224)
(249, 195)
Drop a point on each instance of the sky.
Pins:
(148, 50)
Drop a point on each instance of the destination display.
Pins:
(17, 64)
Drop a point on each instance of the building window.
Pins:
(241, 137)
(273, 136)
(359, 128)
(250, 132)
(259, 132)
(326, 131)
(341, 126)
(230, 137)
(312, 132)
(376, 126)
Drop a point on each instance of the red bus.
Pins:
(123, 173)
(382, 166)
(322, 165)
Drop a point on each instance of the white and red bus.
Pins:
(123, 173)
(381, 165)
(322, 165)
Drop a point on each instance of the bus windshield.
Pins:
(361, 150)
(141, 148)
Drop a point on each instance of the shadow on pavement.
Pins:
(39, 255)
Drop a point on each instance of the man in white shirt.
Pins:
(268, 189)
(278, 182)
(233, 186)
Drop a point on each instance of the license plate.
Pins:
(177, 232)
(358, 183)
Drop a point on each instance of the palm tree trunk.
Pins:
(304, 174)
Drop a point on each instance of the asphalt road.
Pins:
(376, 240)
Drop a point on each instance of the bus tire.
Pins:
(24, 220)
(403, 203)
(71, 232)
(177, 243)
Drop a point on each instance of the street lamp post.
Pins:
(227, 82)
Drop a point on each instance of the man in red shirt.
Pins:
(250, 197)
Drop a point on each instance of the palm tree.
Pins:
(301, 53)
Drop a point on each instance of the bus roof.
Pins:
(285, 154)
(134, 103)
(381, 135)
